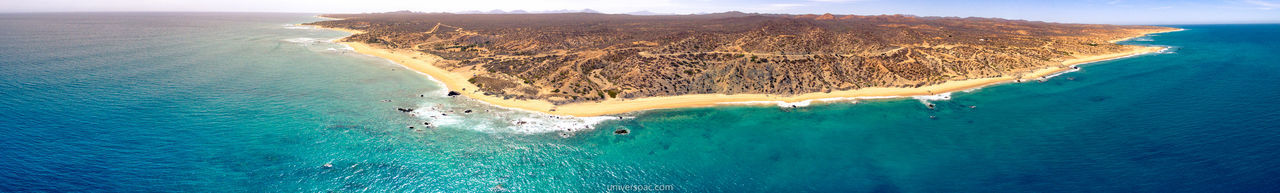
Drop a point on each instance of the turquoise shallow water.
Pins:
(202, 102)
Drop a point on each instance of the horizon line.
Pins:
(628, 13)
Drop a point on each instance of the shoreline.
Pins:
(422, 63)
(1143, 35)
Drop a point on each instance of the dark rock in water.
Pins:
(406, 110)
(453, 93)
(498, 188)
(467, 111)
(930, 106)
(426, 123)
(622, 131)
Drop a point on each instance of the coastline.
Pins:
(1145, 34)
(422, 63)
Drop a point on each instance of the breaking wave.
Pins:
(295, 26)
(304, 40)
(449, 112)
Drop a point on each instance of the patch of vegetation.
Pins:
(613, 93)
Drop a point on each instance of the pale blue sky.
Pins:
(1083, 11)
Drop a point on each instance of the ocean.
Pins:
(250, 102)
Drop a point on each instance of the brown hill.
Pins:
(574, 57)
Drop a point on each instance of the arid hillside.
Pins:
(566, 58)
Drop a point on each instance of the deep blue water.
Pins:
(202, 102)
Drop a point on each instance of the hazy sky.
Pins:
(1082, 11)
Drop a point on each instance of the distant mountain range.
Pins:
(520, 11)
(499, 11)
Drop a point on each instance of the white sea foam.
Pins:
(537, 124)
(936, 97)
(349, 48)
(451, 113)
(806, 103)
(295, 26)
(1058, 74)
(784, 104)
(303, 40)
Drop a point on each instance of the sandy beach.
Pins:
(456, 81)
